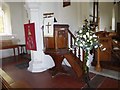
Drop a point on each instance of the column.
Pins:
(38, 62)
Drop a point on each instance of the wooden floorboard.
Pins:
(44, 79)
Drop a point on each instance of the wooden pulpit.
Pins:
(59, 40)
(57, 46)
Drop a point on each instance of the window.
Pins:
(1, 21)
(5, 21)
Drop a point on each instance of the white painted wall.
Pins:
(105, 13)
(65, 15)
(72, 15)
(68, 15)
(83, 12)
(16, 9)
(18, 18)
(118, 12)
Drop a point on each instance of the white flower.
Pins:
(88, 40)
(77, 39)
(84, 36)
(103, 49)
(91, 42)
(81, 44)
(90, 37)
(101, 45)
(96, 46)
(94, 35)
(80, 31)
(87, 34)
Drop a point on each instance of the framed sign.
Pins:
(66, 3)
(30, 36)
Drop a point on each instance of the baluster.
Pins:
(79, 53)
(71, 41)
(83, 58)
(75, 51)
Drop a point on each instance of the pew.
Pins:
(9, 44)
(112, 49)
(8, 83)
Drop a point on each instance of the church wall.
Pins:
(16, 9)
(68, 15)
(17, 13)
(118, 12)
(63, 15)
(84, 11)
(72, 15)
(105, 13)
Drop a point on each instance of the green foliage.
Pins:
(86, 38)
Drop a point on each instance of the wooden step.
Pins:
(75, 63)
(58, 51)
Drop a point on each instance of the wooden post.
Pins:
(98, 67)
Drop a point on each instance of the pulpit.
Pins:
(55, 38)
(57, 46)
(59, 39)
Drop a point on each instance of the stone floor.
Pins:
(107, 73)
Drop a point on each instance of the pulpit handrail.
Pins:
(75, 51)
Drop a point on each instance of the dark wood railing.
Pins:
(75, 51)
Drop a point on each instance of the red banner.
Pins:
(30, 36)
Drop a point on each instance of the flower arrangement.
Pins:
(87, 40)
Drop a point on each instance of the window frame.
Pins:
(6, 20)
(2, 17)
